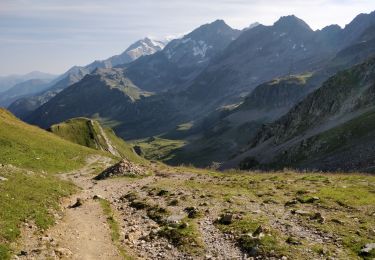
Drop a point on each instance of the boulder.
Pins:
(122, 168)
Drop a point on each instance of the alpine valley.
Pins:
(211, 92)
(240, 144)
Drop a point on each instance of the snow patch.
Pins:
(200, 49)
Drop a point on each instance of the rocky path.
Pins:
(80, 232)
(83, 233)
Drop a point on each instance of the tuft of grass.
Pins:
(4, 252)
(353, 196)
(184, 236)
(267, 245)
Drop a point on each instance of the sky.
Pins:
(53, 35)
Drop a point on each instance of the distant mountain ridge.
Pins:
(182, 59)
(28, 87)
(179, 61)
(6, 82)
(143, 47)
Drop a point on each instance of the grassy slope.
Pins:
(76, 130)
(156, 148)
(83, 132)
(32, 148)
(25, 194)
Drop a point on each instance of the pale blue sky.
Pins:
(53, 35)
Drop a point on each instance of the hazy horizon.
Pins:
(52, 37)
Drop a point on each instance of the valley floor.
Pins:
(186, 213)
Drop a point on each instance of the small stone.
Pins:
(301, 212)
(22, 253)
(97, 197)
(367, 249)
(63, 252)
(77, 204)
(318, 216)
(293, 241)
(226, 219)
(291, 202)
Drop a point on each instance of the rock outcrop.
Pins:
(122, 168)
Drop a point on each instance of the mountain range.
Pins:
(7, 82)
(24, 104)
(221, 90)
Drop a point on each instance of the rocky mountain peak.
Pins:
(292, 22)
(202, 43)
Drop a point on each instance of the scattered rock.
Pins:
(97, 197)
(3, 179)
(368, 249)
(226, 219)
(173, 202)
(301, 212)
(291, 202)
(162, 193)
(193, 212)
(318, 216)
(260, 231)
(77, 204)
(122, 168)
(184, 225)
(22, 253)
(293, 241)
(63, 252)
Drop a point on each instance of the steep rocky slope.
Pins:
(90, 133)
(306, 131)
(228, 130)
